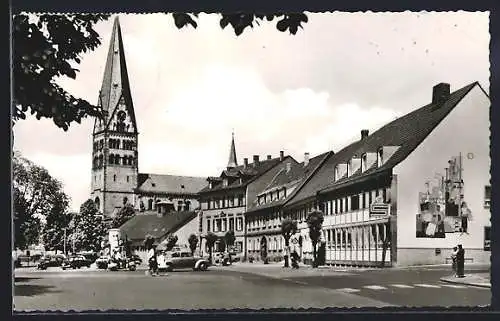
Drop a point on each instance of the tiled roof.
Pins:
(407, 132)
(150, 223)
(251, 170)
(171, 184)
(297, 174)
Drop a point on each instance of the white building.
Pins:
(409, 192)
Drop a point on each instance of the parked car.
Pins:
(51, 261)
(76, 262)
(102, 262)
(136, 259)
(91, 256)
(181, 260)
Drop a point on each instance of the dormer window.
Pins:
(380, 157)
(363, 163)
(210, 185)
(349, 168)
(336, 173)
(225, 182)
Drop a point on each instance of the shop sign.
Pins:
(380, 209)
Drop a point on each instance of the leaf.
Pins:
(282, 25)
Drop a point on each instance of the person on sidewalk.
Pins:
(460, 261)
(454, 260)
(153, 264)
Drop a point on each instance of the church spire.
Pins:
(115, 82)
(232, 155)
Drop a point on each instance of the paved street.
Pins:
(240, 287)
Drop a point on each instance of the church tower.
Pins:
(114, 153)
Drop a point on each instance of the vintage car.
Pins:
(102, 262)
(170, 261)
(51, 261)
(76, 262)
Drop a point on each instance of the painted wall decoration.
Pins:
(442, 206)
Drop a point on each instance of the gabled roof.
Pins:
(253, 171)
(150, 223)
(170, 184)
(298, 173)
(407, 132)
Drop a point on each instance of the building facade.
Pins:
(115, 174)
(224, 201)
(265, 207)
(409, 192)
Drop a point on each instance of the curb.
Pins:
(480, 285)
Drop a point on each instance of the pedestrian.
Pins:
(460, 261)
(152, 261)
(454, 260)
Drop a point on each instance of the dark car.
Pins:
(181, 260)
(91, 256)
(76, 262)
(102, 262)
(136, 259)
(51, 261)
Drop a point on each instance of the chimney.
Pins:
(306, 159)
(288, 167)
(245, 162)
(255, 160)
(282, 155)
(268, 157)
(440, 93)
(364, 133)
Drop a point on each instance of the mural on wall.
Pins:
(442, 206)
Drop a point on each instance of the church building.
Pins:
(116, 179)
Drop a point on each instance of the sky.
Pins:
(310, 92)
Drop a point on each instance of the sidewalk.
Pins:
(276, 270)
(482, 280)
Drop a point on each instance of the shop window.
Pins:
(487, 196)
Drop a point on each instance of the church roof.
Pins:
(115, 82)
(170, 184)
(150, 223)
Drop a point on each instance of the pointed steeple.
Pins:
(232, 155)
(115, 82)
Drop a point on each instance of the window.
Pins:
(241, 200)
(224, 225)
(208, 204)
(150, 204)
(208, 225)
(114, 178)
(380, 157)
(127, 179)
(363, 163)
(231, 224)
(125, 200)
(239, 224)
(341, 205)
(487, 196)
(336, 173)
(355, 202)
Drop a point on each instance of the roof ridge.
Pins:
(308, 177)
